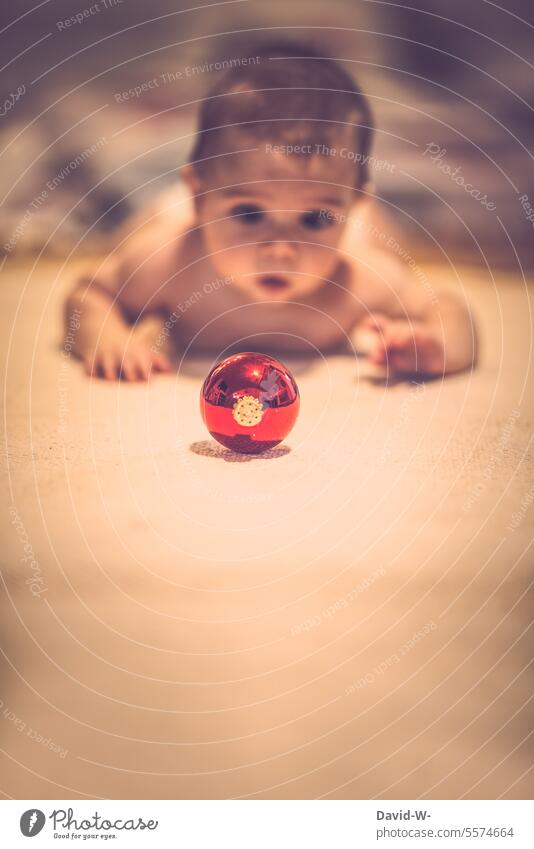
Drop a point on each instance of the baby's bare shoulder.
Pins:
(144, 263)
(378, 277)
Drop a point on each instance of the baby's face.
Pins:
(272, 222)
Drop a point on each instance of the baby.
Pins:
(269, 243)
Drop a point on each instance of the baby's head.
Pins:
(278, 163)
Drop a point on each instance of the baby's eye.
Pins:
(316, 219)
(249, 213)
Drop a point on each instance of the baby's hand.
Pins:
(404, 346)
(133, 361)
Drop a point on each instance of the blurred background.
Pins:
(450, 85)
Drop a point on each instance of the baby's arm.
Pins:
(416, 330)
(105, 340)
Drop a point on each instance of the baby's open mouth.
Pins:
(273, 282)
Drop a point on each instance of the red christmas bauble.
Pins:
(249, 402)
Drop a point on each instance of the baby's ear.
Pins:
(191, 178)
(362, 197)
(366, 191)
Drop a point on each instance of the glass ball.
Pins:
(249, 402)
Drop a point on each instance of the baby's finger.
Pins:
(90, 366)
(431, 354)
(143, 365)
(374, 321)
(378, 354)
(128, 368)
(404, 362)
(160, 363)
(399, 336)
(107, 367)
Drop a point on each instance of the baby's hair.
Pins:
(288, 94)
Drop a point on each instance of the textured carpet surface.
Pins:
(347, 617)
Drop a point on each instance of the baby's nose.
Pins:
(279, 250)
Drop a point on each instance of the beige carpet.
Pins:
(347, 618)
